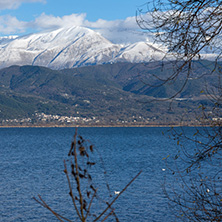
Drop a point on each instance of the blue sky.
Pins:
(95, 9)
(24, 16)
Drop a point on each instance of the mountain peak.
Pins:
(70, 47)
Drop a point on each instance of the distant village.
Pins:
(48, 119)
(42, 119)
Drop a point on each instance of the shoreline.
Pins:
(103, 126)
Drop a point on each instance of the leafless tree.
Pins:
(85, 194)
(190, 31)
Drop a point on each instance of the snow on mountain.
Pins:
(139, 52)
(71, 47)
(6, 39)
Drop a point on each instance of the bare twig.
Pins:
(117, 197)
(43, 203)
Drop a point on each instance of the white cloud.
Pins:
(117, 31)
(129, 29)
(128, 23)
(11, 25)
(13, 4)
(120, 31)
(48, 22)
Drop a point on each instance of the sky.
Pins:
(21, 17)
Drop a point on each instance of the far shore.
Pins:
(101, 126)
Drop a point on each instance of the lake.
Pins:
(32, 163)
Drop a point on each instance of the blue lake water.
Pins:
(32, 163)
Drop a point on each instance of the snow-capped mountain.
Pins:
(71, 47)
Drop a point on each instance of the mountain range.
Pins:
(70, 48)
(77, 72)
(73, 47)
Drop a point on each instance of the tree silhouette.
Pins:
(84, 191)
(190, 31)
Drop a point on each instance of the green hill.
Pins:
(111, 92)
